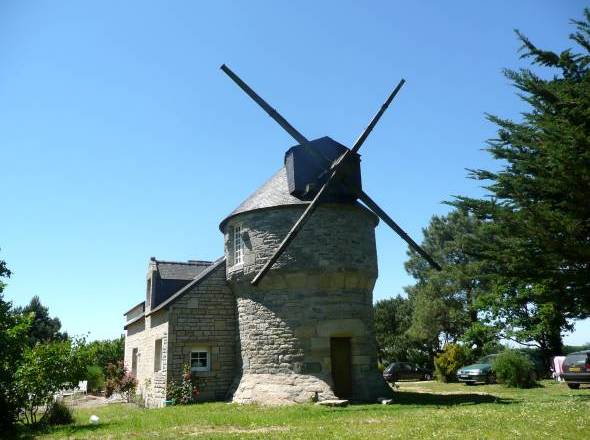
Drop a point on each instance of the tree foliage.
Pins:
(536, 220)
(46, 369)
(514, 369)
(446, 302)
(392, 318)
(43, 328)
(108, 351)
(448, 362)
(13, 331)
(538, 215)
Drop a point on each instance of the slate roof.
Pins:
(274, 192)
(134, 320)
(173, 276)
(136, 305)
(180, 270)
(196, 280)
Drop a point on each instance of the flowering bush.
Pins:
(120, 380)
(187, 391)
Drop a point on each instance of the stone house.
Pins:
(305, 333)
(188, 317)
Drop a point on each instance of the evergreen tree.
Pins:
(43, 328)
(446, 301)
(536, 233)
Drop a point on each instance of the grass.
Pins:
(422, 410)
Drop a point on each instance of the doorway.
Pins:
(340, 353)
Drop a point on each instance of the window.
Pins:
(238, 245)
(134, 362)
(200, 359)
(158, 355)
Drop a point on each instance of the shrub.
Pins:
(110, 387)
(127, 386)
(447, 363)
(115, 371)
(187, 391)
(514, 369)
(59, 414)
(95, 378)
(120, 380)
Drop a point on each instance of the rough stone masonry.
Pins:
(305, 333)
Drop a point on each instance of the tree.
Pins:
(13, 331)
(392, 318)
(46, 369)
(446, 301)
(536, 220)
(43, 328)
(108, 351)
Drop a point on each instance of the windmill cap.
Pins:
(306, 167)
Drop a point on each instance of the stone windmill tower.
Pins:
(305, 305)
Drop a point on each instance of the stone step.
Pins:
(333, 402)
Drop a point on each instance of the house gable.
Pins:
(202, 317)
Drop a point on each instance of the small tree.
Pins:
(46, 369)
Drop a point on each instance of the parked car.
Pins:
(576, 369)
(481, 371)
(406, 371)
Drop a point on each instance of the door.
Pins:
(341, 367)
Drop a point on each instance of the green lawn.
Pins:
(422, 410)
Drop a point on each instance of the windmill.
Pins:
(326, 171)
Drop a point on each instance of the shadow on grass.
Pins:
(413, 398)
(27, 432)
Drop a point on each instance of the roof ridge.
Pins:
(187, 263)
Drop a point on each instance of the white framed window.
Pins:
(158, 355)
(238, 243)
(200, 359)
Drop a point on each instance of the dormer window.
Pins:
(238, 243)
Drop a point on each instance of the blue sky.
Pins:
(121, 139)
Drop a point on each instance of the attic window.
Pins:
(238, 245)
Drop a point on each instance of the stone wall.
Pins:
(151, 384)
(320, 288)
(205, 315)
